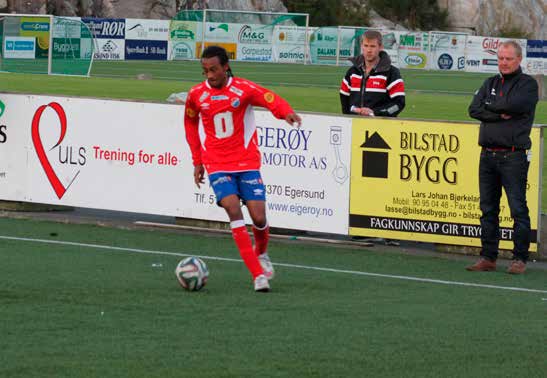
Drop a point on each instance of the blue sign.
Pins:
(536, 48)
(147, 50)
(445, 62)
(106, 27)
(19, 45)
(38, 26)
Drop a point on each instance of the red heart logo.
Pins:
(59, 188)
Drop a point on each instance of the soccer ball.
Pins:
(192, 273)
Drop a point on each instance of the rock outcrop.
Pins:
(492, 17)
(482, 17)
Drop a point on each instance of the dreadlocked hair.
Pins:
(220, 53)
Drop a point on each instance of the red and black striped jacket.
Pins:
(383, 90)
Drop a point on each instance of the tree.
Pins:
(331, 12)
(415, 14)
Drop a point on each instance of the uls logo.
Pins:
(67, 154)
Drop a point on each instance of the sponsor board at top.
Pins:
(68, 27)
(66, 47)
(482, 53)
(181, 50)
(111, 28)
(254, 43)
(535, 66)
(39, 28)
(289, 44)
(221, 32)
(447, 51)
(413, 50)
(324, 45)
(145, 50)
(154, 30)
(109, 49)
(231, 48)
(536, 49)
(536, 57)
(423, 178)
(185, 31)
(19, 47)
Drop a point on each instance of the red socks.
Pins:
(245, 246)
(262, 236)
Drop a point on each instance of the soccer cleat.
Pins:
(482, 265)
(262, 284)
(267, 265)
(517, 267)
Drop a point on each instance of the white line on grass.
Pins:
(296, 266)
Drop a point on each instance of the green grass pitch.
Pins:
(79, 311)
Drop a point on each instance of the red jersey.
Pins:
(220, 125)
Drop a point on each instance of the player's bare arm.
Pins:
(199, 173)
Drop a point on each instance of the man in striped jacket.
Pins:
(372, 86)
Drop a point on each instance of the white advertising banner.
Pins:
(413, 48)
(481, 53)
(129, 156)
(390, 39)
(289, 44)
(254, 43)
(535, 66)
(447, 51)
(19, 47)
(68, 27)
(221, 32)
(306, 172)
(181, 50)
(13, 149)
(149, 30)
(109, 49)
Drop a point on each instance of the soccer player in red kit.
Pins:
(221, 132)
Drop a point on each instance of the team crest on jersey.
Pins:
(269, 97)
(190, 112)
(235, 102)
(219, 97)
(237, 91)
(203, 96)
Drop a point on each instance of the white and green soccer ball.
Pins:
(192, 273)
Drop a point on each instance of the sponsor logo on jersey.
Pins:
(256, 181)
(219, 97)
(269, 97)
(221, 180)
(190, 112)
(237, 91)
(235, 102)
(205, 105)
(203, 96)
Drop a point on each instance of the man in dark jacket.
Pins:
(505, 105)
(372, 86)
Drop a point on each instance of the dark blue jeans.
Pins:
(507, 169)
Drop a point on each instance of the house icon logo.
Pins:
(375, 161)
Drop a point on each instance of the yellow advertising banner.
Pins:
(231, 48)
(417, 180)
(38, 27)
